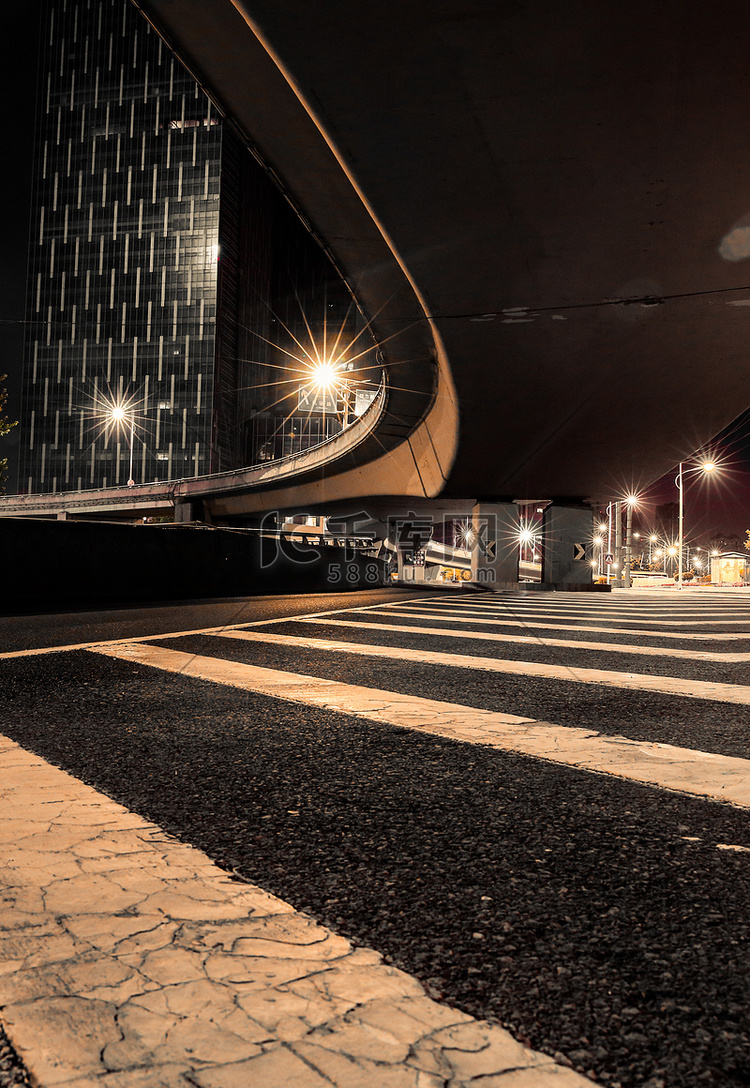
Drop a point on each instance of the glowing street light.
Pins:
(631, 501)
(707, 466)
(671, 552)
(463, 534)
(526, 543)
(119, 417)
(326, 381)
(325, 375)
(118, 412)
(598, 542)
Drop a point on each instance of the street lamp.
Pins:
(324, 375)
(631, 501)
(707, 467)
(325, 382)
(526, 543)
(599, 546)
(118, 416)
(672, 553)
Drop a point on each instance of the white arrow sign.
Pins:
(579, 552)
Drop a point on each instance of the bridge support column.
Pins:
(494, 552)
(187, 510)
(567, 530)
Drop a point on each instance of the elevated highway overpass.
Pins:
(551, 199)
(542, 208)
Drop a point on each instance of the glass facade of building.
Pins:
(167, 275)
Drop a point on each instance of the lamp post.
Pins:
(119, 416)
(630, 502)
(599, 545)
(673, 553)
(525, 541)
(324, 379)
(706, 466)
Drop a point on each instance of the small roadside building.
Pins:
(730, 568)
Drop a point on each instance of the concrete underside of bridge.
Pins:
(543, 207)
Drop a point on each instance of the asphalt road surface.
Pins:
(600, 918)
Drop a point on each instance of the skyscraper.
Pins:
(168, 275)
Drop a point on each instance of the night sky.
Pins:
(723, 505)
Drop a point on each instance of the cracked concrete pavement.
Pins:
(129, 960)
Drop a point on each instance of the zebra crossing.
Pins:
(449, 624)
(536, 805)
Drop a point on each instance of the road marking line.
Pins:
(537, 640)
(664, 685)
(36, 651)
(509, 600)
(463, 618)
(544, 601)
(515, 606)
(590, 614)
(724, 778)
(521, 610)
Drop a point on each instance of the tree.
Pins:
(5, 426)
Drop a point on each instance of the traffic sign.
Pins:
(609, 558)
(579, 552)
(316, 400)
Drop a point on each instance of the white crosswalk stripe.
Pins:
(442, 627)
(478, 616)
(537, 640)
(728, 779)
(520, 613)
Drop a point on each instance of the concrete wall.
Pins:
(48, 564)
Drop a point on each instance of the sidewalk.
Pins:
(129, 960)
